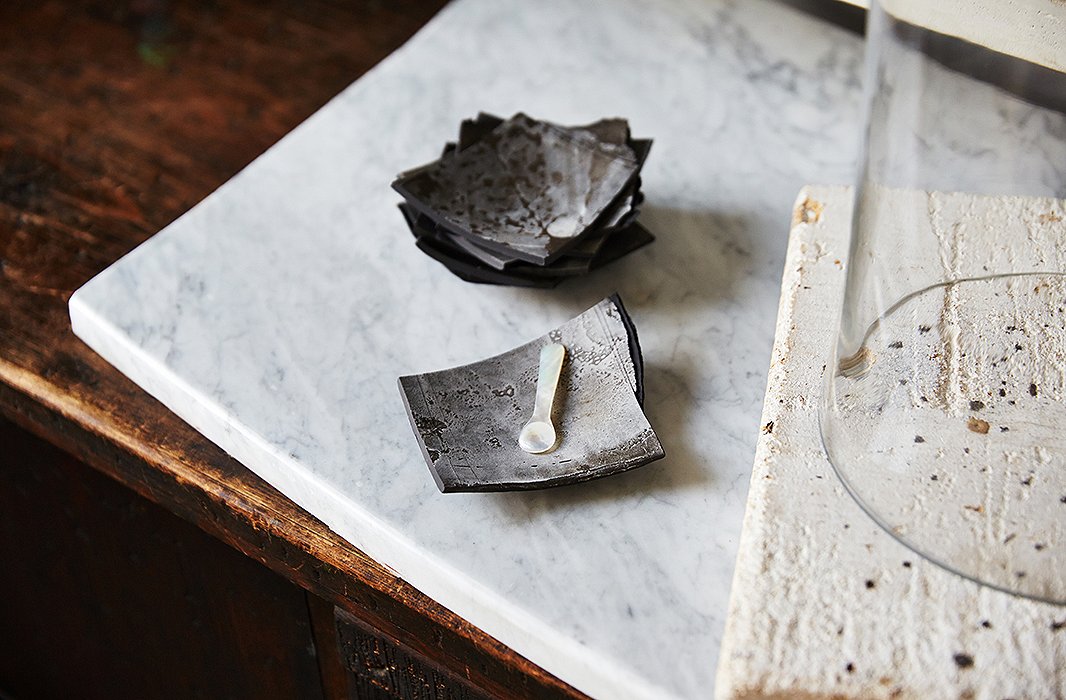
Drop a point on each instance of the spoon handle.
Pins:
(551, 364)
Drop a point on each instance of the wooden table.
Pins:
(115, 120)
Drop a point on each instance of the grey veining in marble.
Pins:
(277, 314)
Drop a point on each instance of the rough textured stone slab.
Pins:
(825, 604)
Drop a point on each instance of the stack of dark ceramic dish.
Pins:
(528, 203)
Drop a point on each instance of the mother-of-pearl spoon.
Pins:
(538, 435)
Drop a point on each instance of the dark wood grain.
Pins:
(336, 679)
(114, 120)
(381, 669)
(105, 594)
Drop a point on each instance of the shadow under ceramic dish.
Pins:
(696, 260)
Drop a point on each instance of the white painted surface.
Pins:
(1033, 30)
(818, 584)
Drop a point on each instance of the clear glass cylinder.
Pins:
(944, 411)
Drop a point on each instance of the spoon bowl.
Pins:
(538, 435)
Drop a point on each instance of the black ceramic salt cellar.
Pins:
(468, 419)
(528, 203)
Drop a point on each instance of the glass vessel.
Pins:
(944, 410)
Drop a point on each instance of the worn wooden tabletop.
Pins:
(115, 118)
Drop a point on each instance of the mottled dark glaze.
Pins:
(455, 255)
(467, 419)
(525, 188)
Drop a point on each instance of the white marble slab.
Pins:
(276, 315)
(825, 603)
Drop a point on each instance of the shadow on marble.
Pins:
(696, 262)
(669, 412)
(704, 254)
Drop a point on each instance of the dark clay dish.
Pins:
(528, 203)
(467, 419)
